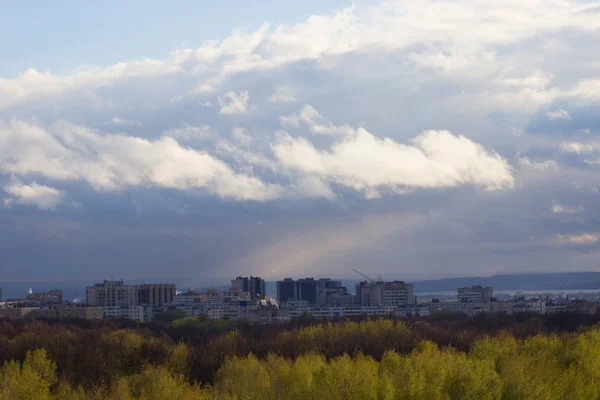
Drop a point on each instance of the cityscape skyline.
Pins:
(246, 301)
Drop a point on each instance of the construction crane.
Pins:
(371, 280)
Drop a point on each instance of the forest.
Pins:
(492, 356)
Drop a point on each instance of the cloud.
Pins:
(560, 209)
(309, 116)
(455, 40)
(409, 102)
(283, 93)
(558, 114)
(110, 162)
(240, 135)
(191, 133)
(578, 239)
(361, 161)
(124, 122)
(234, 103)
(538, 165)
(34, 194)
(577, 148)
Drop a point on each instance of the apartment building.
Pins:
(112, 294)
(314, 291)
(254, 285)
(156, 294)
(395, 294)
(476, 294)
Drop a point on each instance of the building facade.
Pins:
(112, 294)
(156, 294)
(395, 294)
(52, 297)
(477, 294)
(287, 290)
(254, 285)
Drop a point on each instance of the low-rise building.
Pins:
(88, 313)
(52, 297)
(412, 312)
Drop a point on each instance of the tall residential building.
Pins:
(393, 294)
(253, 285)
(111, 294)
(362, 294)
(0, 294)
(477, 294)
(331, 292)
(308, 290)
(286, 290)
(322, 291)
(156, 294)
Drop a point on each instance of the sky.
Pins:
(197, 141)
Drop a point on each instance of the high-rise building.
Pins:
(0, 294)
(323, 291)
(396, 294)
(111, 294)
(477, 294)
(286, 290)
(156, 294)
(253, 285)
(331, 292)
(308, 290)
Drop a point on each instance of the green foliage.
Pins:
(31, 380)
(372, 359)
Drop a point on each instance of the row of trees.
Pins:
(551, 366)
(86, 353)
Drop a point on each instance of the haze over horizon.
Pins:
(416, 140)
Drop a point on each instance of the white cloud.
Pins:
(474, 58)
(191, 133)
(41, 196)
(558, 114)
(366, 163)
(241, 136)
(311, 186)
(560, 209)
(315, 122)
(113, 162)
(577, 148)
(578, 239)
(283, 93)
(536, 80)
(458, 40)
(234, 103)
(538, 165)
(124, 122)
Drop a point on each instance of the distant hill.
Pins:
(543, 281)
